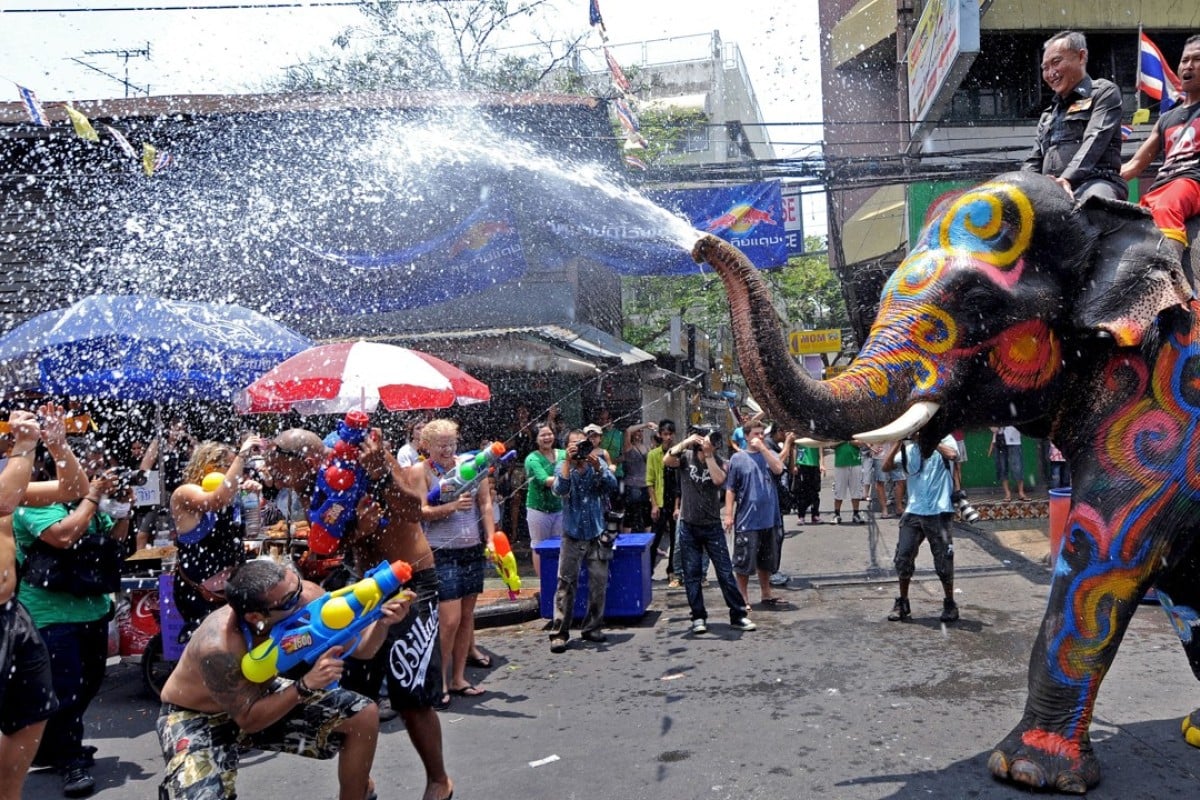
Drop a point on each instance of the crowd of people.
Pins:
(710, 503)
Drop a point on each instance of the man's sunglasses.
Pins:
(283, 451)
(290, 602)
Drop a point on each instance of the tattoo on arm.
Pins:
(222, 674)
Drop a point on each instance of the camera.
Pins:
(965, 510)
(583, 449)
(127, 478)
(712, 434)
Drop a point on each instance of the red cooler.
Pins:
(141, 623)
(1060, 509)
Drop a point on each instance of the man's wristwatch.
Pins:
(303, 690)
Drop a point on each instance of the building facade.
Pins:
(889, 154)
(702, 82)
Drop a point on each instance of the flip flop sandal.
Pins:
(468, 691)
(482, 663)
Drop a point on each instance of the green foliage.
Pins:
(806, 292)
(664, 130)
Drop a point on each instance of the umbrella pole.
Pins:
(162, 473)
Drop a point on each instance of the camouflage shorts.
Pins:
(201, 748)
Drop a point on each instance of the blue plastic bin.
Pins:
(170, 619)
(628, 594)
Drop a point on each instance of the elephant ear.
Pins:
(1132, 274)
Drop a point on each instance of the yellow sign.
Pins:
(805, 342)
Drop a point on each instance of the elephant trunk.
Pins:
(833, 410)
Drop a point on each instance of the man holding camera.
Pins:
(583, 480)
(701, 476)
(928, 516)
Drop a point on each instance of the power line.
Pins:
(223, 7)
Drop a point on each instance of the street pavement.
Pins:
(825, 699)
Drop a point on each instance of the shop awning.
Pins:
(575, 348)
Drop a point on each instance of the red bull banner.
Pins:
(612, 232)
(749, 216)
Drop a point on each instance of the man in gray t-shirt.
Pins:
(701, 476)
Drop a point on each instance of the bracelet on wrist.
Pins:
(93, 499)
(23, 453)
(303, 689)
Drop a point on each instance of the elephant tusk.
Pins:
(807, 442)
(910, 421)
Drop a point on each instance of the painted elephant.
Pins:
(1019, 307)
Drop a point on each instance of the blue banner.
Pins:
(749, 217)
(481, 251)
(621, 236)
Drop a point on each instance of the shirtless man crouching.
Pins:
(209, 708)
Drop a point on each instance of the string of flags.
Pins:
(151, 159)
(625, 104)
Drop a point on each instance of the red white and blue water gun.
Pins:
(341, 483)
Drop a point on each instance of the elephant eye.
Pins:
(976, 304)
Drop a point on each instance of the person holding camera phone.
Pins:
(70, 567)
(27, 697)
(583, 480)
(701, 476)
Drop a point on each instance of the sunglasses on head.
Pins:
(283, 451)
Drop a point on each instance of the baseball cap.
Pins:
(593, 428)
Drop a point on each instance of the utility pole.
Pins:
(125, 55)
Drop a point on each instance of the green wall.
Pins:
(980, 470)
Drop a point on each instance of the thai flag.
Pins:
(33, 106)
(625, 114)
(1155, 78)
(614, 69)
(1126, 132)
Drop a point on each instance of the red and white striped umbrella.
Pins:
(341, 377)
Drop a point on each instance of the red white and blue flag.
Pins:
(614, 69)
(629, 122)
(1155, 76)
(594, 17)
(33, 106)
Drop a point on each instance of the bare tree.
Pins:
(440, 44)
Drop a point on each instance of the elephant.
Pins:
(1071, 321)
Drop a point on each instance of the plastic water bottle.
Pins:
(163, 529)
(252, 514)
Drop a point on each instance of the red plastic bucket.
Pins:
(1060, 509)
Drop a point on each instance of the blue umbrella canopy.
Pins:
(138, 347)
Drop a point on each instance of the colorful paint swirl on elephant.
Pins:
(916, 340)
(1111, 551)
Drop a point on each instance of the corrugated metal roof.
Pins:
(12, 113)
(584, 339)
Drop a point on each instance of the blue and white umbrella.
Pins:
(138, 347)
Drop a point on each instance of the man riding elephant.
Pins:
(1174, 197)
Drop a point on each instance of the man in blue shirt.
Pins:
(751, 485)
(583, 480)
(928, 516)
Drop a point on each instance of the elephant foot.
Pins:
(1042, 759)
(1191, 728)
